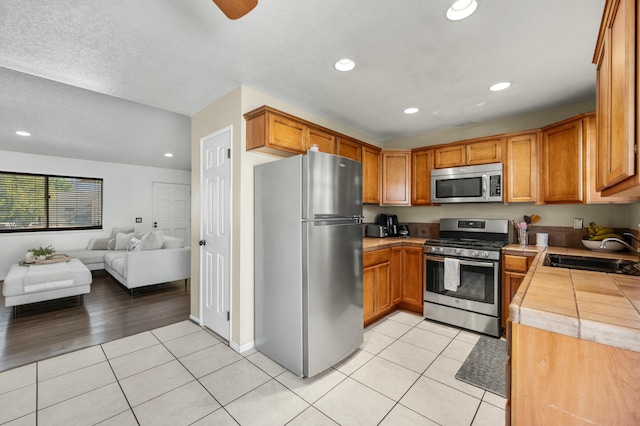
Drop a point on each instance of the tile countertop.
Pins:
(594, 306)
(371, 244)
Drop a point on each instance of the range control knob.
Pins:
(458, 251)
(434, 249)
(485, 254)
(441, 250)
(474, 253)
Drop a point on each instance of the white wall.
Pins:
(127, 195)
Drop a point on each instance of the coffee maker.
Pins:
(390, 221)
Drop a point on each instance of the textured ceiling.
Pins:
(161, 61)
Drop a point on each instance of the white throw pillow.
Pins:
(172, 242)
(123, 230)
(122, 240)
(152, 240)
(134, 244)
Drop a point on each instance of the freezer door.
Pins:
(332, 293)
(332, 186)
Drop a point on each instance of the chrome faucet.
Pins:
(629, 234)
(604, 242)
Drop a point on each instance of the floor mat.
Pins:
(485, 366)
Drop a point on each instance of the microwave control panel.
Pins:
(494, 186)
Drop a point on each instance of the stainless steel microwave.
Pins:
(471, 184)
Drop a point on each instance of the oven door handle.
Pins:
(462, 262)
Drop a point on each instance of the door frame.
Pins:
(228, 129)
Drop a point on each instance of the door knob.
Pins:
(202, 242)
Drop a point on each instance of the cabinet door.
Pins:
(383, 298)
(521, 174)
(412, 288)
(620, 147)
(286, 134)
(369, 284)
(326, 141)
(450, 156)
(485, 152)
(349, 149)
(396, 178)
(397, 273)
(510, 283)
(592, 165)
(371, 166)
(421, 165)
(562, 163)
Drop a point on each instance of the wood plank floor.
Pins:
(109, 312)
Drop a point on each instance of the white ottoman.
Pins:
(36, 283)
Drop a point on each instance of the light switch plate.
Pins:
(577, 223)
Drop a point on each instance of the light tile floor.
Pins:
(404, 374)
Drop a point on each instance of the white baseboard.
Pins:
(241, 348)
(195, 319)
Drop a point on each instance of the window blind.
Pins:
(30, 202)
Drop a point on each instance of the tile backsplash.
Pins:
(560, 236)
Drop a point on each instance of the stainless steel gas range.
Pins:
(462, 274)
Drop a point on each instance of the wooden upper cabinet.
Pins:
(349, 148)
(485, 152)
(326, 141)
(617, 99)
(468, 153)
(521, 168)
(421, 165)
(271, 131)
(562, 149)
(591, 166)
(396, 178)
(371, 169)
(450, 156)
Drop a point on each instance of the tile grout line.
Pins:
(120, 387)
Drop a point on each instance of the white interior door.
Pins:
(172, 210)
(215, 260)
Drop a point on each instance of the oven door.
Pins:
(478, 291)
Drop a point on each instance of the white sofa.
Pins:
(136, 265)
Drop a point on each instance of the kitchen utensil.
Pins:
(527, 219)
(535, 219)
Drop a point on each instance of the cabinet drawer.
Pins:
(516, 263)
(372, 258)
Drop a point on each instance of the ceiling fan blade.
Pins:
(235, 9)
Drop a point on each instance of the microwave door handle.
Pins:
(485, 193)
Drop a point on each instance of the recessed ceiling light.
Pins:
(411, 110)
(168, 154)
(500, 86)
(22, 133)
(345, 65)
(461, 9)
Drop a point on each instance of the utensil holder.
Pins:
(523, 237)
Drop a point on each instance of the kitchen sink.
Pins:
(598, 264)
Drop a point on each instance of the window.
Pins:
(30, 202)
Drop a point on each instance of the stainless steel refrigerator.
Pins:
(308, 261)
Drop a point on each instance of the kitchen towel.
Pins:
(451, 274)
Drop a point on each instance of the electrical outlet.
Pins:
(138, 220)
(577, 223)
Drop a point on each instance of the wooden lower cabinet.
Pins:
(560, 380)
(376, 280)
(392, 279)
(412, 279)
(514, 269)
